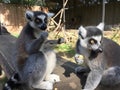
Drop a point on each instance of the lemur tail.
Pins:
(13, 82)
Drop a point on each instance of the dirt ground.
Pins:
(73, 34)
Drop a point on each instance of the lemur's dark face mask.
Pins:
(41, 22)
(94, 44)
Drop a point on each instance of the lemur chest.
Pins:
(96, 63)
(37, 34)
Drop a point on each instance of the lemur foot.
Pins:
(47, 85)
(53, 78)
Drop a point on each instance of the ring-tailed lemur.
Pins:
(34, 65)
(14, 81)
(101, 55)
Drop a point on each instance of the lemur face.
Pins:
(91, 37)
(40, 22)
(37, 19)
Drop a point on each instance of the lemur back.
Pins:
(111, 52)
(101, 55)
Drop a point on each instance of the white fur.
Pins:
(84, 42)
(51, 63)
(83, 31)
(44, 85)
(101, 26)
(50, 15)
(52, 78)
(32, 24)
(98, 38)
(29, 13)
(42, 17)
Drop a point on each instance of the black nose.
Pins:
(43, 27)
(99, 50)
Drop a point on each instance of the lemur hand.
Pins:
(44, 35)
(61, 40)
(79, 59)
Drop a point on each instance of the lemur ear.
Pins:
(50, 15)
(29, 15)
(101, 26)
(82, 32)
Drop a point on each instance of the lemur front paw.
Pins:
(79, 59)
(44, 35)
(49, 85)
(52, 78)
(46, 85)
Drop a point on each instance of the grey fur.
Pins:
(93, 31)
(104, 65)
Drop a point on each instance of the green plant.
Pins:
(65, 50)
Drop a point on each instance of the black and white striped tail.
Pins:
(13, 82)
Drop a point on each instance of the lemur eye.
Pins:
(37, 20)
(92, 41)
(45, 20)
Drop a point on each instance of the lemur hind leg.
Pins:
(51, 63)
(111, 76)
(47, 85)
(48, 79)
(34, 72)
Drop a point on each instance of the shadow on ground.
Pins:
(71, 81)
(64, 68)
